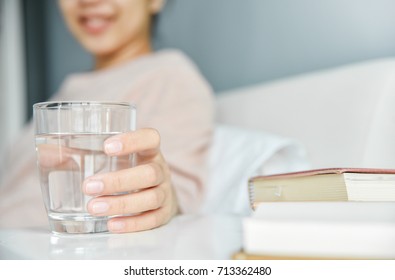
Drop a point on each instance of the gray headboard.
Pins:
(241, 42)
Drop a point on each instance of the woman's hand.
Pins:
(150, 199)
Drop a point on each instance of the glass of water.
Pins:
(69, 144)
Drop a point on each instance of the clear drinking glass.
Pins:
(69, 144)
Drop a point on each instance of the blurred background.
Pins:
(235, 43)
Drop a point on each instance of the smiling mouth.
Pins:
(95, 24)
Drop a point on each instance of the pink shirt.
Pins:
(170, 95)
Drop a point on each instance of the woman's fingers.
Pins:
(126, 180)
(144, 221)
(132, 203)
(145, 141)
(141, 197)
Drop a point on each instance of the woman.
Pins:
(170, 95)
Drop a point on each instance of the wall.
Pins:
(242, 42)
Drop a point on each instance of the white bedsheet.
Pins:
(236, 155)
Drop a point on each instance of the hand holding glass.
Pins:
(69, 143)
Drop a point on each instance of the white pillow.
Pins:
(236, 155)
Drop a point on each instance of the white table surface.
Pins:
(185, 237)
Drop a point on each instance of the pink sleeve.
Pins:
(180, 106)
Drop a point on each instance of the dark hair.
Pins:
(154, 24)
(155, 18)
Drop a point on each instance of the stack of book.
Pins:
(321, 214)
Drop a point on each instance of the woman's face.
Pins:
(105, 27)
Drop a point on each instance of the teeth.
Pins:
(95, 22)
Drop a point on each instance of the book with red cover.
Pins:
(328, 184)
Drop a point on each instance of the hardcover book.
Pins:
(330, 184)
(320, 230)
